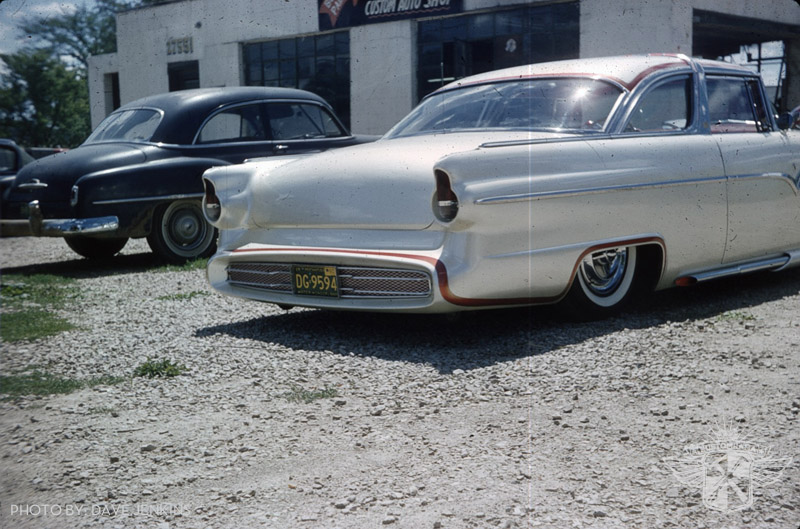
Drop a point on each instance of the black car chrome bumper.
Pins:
(37, 226)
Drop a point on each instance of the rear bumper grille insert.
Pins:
(354, 281)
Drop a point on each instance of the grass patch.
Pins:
(27, 301)
(45, 290)
(306, 396)
(195, 264)
(30, 324)
(43, 383)
(182, 296)
(160, 368)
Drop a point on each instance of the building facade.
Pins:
(373, 60)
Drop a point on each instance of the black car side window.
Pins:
(297, 121)
(243, 123)
(8, 159)
(666, 107)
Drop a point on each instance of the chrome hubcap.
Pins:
(603, 272)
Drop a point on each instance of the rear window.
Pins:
(127, 125)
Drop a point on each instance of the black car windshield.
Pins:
(127, 125)
(569, 104)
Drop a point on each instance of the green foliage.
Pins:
(80, 33)
(42, 102)
(26, 301)
(161, 368)
(31, 324)
(736, 315)
(49, 290)
(306, 396)
(43, 383)
(182, 296)
(44, 95)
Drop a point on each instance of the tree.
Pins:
(44, 94)
(78, 34)
(42, 102)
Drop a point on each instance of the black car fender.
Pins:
(132, 193)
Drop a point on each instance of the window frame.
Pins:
(691, 105)
(264, 103)
(752, 88)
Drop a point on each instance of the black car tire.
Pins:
(180, 233)
(94, 247)
(605, 281)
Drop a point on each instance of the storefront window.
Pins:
(455, 47)
(317, 63)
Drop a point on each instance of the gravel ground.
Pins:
(493, 419)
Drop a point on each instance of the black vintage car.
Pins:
(138, 174)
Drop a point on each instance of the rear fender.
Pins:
(133, 192)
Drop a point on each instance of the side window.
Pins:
(735, 105)
(8, 159)
(668, 106)
(296, 121)
(245, 123)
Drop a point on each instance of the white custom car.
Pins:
(578, 181)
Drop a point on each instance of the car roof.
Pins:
(625, 70)
(185, 110)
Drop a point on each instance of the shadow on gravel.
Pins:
(476, 339)
(80, 268)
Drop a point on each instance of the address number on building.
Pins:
(178, 46)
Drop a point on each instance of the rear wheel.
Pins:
(180, 233)
(603, 283)
(95, 248)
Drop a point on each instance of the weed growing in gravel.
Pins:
(736, 315)
(43, 383)
(181, 296)
(104, 410)
(27, 301)
(298, 394)
(160, 368)
(196, 264)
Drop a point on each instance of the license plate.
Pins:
(309, 280)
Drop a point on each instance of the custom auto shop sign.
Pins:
(335, 14)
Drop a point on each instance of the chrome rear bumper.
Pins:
(37, 226)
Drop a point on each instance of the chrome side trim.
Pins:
(794, 260)
(770, 263)
(573, 136)
(793, 183)
(33, 184)
(148, 199)
(67, 227)
(594, 190)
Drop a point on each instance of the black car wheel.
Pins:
(180, 233)
(603, 284)
(95, 248)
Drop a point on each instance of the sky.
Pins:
(12, 13)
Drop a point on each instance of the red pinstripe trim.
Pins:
(444, 282)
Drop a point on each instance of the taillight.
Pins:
(446, 206)
(211, 205)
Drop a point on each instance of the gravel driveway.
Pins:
(682, 413)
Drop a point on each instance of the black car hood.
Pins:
(51, 178)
